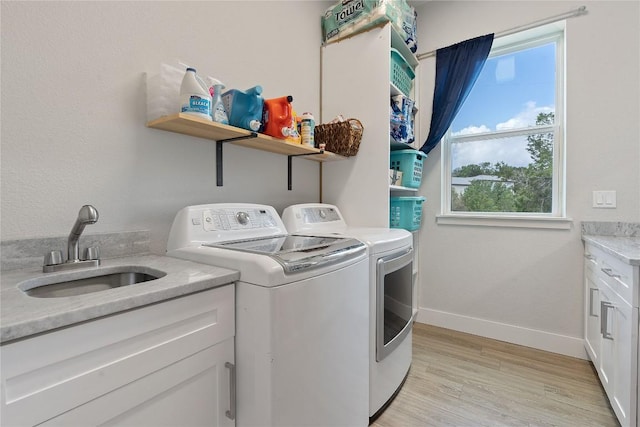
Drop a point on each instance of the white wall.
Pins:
(73, 132)
(525, 285)
(73, 122)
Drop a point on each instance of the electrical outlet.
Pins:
(604, 199)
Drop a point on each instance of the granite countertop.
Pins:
(22, 315)
(627, 248)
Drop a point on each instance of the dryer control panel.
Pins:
(313, 217)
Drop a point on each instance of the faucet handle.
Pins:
(92, 253)
(53, 258)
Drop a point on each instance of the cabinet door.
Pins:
(592, 314)
(621, 399)
(52, 374)
(616, 351)
(193, 392)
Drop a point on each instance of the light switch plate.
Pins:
(604, 199)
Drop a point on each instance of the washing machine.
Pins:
(302, 314)
(391, 294)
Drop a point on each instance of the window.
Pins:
(504, 153)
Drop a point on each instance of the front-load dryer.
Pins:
(302, 314)
(390, 298)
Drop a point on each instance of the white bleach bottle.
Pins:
(195, 98)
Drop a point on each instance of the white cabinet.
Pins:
(165, 364)
(611, 329)
(592, 310)
(356, 82)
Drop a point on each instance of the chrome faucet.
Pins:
(87, 215)
(53, 260)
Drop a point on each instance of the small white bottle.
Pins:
(195, 98)
(307, 125)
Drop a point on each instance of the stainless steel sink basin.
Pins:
(88, 281)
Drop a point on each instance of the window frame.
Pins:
(557, 218)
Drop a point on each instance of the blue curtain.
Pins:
(457, 68)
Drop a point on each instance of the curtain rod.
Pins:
(576, 12)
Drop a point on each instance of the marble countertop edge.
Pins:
(625, 248)
(22, 315)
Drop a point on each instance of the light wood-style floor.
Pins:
(457, 379)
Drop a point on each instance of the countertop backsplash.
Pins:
(27, 253)
(618, 229)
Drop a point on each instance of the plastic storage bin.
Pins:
(409, 162)
(406, 212)
(402, 74)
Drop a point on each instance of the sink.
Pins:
(88, 281)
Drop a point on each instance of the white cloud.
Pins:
(510, 150)
(524, 118)
(472, 129)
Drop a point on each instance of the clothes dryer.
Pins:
(391, 312)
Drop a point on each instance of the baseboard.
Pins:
(555, 343)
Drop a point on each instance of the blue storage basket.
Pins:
(402, 74)
(406, 212)
(409, 162)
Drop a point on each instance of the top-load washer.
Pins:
(391, 293)
(302, 314)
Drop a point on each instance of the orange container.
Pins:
(278, 116)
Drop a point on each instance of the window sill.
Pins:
(505, 221)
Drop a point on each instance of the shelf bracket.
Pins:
(219, 144)
(289, 157)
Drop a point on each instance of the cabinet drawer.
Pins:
(48, 374)
(618, 275)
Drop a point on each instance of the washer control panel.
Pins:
(222, 222)
(230, 219)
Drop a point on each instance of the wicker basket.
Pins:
(342, 138)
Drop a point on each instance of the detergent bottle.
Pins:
(294, 133)
(195, 98)
(244, 108)
(218, 113)
(277, 117)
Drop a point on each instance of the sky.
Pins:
(510, 92)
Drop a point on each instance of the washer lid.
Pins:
(296, 253)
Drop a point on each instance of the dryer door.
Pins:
(394, 301)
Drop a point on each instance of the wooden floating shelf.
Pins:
(194, 126)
